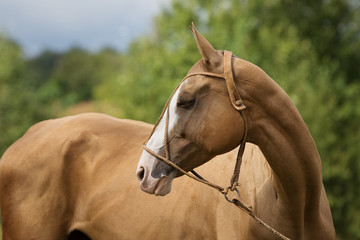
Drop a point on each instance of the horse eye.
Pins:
(186, 103)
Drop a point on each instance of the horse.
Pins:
(280, 177)
(73, 178)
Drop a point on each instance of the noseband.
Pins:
(237, 103)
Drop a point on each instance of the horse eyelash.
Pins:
(186, 104)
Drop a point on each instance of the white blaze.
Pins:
(156, 141)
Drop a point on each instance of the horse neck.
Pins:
(276, 126)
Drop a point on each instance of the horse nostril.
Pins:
(140, 173)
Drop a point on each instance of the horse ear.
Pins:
(209, 55)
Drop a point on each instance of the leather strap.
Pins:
(230, 84)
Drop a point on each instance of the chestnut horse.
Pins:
(73, 178)
(201, 121)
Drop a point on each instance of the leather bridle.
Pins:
(238, 104)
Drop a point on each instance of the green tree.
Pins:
(154, 66)
(18, 107)
(40, 68)
(75, 75)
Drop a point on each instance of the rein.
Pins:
(238, 104)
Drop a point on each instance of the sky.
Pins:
(91, 24)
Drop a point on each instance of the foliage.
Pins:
(42, 87)
(311, 48)
(18, 108)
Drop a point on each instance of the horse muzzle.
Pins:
(158, 183)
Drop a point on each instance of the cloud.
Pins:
(58, 24)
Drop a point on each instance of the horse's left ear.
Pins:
(209, 55)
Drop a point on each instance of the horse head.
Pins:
(197, 123)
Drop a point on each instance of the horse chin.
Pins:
(163, 187)
(157, 186)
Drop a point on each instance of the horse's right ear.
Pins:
(209, 55)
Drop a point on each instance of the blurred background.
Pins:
(124, 58)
